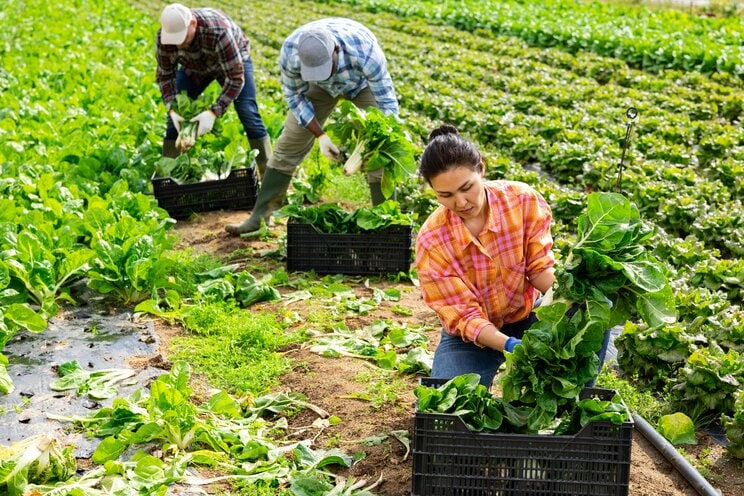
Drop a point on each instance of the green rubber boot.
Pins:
(375, 191)
(263, 145)
(169, 148)
(274, 185)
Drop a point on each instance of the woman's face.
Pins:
(461, 190)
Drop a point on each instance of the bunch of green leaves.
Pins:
(609, 260)
(465, 397)
(558, 356)
(734, 426)
(378, 141)
(592, 409)
(332, 218)
(189, 108)
(36, 459)
(223, 283)
(98, 384)
(607, 277)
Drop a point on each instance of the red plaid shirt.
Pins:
(471, 282)
(217, 52)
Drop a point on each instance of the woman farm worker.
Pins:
(483, 257)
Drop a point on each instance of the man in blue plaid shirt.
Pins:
(321, 62)
(195, 47)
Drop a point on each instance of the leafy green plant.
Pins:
(677, 428)
(734, 426)
(707, 385)
(607, 277)
(98, 384)
(332, 218)
(36, 459)
(656, 353)
(379, 141)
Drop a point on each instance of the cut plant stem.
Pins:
(354, 163)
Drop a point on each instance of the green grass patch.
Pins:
(383, 389)
(644, 403)
(237, 350)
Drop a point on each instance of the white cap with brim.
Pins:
(174, 24)
(316, 49)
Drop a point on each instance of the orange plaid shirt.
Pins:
(471, 282)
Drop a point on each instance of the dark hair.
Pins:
(446, 150)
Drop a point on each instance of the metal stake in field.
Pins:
(631, 114)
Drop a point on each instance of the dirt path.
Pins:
(335, 384)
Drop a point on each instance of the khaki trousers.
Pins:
(295, 142)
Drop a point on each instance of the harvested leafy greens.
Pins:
(331, 218)
(379, 141)
(209, 159)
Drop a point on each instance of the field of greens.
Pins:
(81, 124)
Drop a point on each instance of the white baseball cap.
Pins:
(316, 48)
(174, 24)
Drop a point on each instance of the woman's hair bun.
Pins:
(442, 130)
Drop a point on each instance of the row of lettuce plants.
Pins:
(650, 39)
(572, 127)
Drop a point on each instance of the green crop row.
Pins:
(644, 38)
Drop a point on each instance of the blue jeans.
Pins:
(455, 357)
(245, 104)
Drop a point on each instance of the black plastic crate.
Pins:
(235, 192)
(376, 252)
(449, 459)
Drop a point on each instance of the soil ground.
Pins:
(335, 384)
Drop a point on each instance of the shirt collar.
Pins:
(461, 233)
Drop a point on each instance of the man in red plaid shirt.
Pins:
(198, 46)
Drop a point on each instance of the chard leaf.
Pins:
(658, 308)
(645, 274)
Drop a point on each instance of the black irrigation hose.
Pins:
(679, 462)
